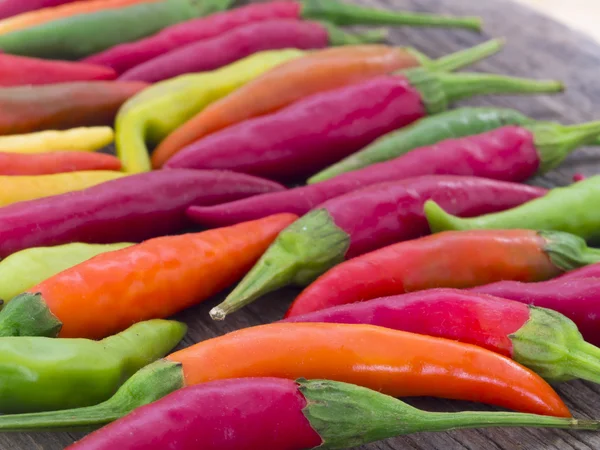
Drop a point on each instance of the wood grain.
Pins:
(537, 47)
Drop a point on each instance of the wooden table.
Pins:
(537, 47)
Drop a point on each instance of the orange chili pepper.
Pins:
(55, 162)
(155, 279)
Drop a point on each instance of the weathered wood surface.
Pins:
(537, 47)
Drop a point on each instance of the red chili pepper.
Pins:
(543, 340)
(450, 259)
(211, 54)
(125, 56)
(55, 162)
(591, 271)
(130, 209)
(61, 106)
(271, 413)
(364, 220)
(579, 177)
(321, 129)
(9, 8)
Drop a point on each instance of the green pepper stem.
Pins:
(349, 14)
(303, 251)
(28, 315)
(347, 416)
(463, 58)
(337, 36)
(567, 251)
(148, 385)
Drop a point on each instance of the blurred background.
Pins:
(579, 14)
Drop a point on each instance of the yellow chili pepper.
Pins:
(21, 188)
(75, 139)
(157, 111)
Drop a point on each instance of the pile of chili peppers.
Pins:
(250, 155)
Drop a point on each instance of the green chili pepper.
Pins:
(42, 374)
(160, 109)
(84, 34)
(572, 209)
(24, 269)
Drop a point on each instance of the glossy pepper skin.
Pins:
(61, 106)
(54, 163)
(84, 34)
(318, 72)
(431, 262)
(261, 413)
(24, 269)
(130, 209)
(364, 220)
(40, 374)
(10, 8)
(321, 129)
(563, 209)
(154, 279)
(211, 54)
(20, 70)
(157, 111)
(75, 139)
(543, 340)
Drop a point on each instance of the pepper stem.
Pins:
(151, 383)
(462, 58)
(555, 142)
(337, 36)
(567, 251)
(346, 416)
(28, 315)
(303, 251)
(348, 14)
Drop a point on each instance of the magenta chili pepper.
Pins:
(322, 129)
(125, 56)
(130, 209)
(507, 153)
(278, 414)
(211, 54)
(576, 298)
(543, 340)
(591, 271)
(364, 220)
(9, 8)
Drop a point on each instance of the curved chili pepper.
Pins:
(84, 34)
(10, 8)
(65, 105)
(393, 362)
(41, 374)
(451, 259)
(160, 109)
(125, 56)
(318, 72)
(211, 54)
(82, 139)
(543, 340)
(319, 130)
(130, 209)
(55, 163)
(563, 209)
(155, 279)
(20, 70)
(24, 269)
(361, 221)
(591, 271)
(272, 413)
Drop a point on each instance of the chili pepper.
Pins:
(503, 154)
(591, 271)
(393, 362)
(275, 413)
(60, 106)
(362, 221)
(130, 209)
(451, 259)
(563, 209)
(48, 14)
(86, 139)
(321, 129)
(10, 8)
(20, 70)
(55, 163)
(81, 35)
(24, 269)
(579, 177)
(211, 54)
(160, 109)
(541, 339)
(319, 72)
(125, 56)
(41, 374)
(155, 279)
